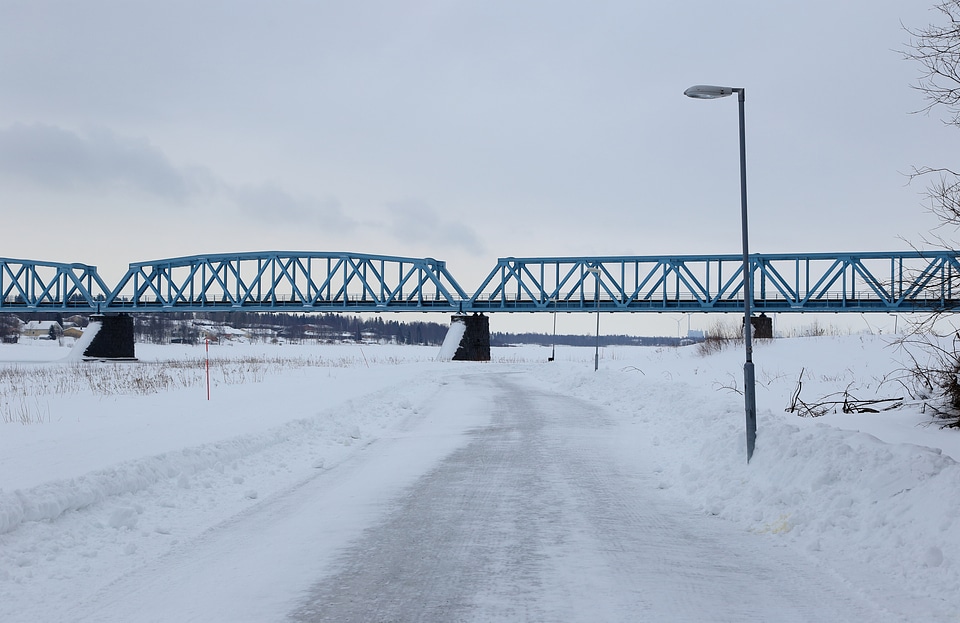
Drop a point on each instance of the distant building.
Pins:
(73, 332)
(41, 329)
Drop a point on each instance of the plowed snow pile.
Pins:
(100, 477)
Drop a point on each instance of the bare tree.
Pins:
(934, 375)
(936, 48)
(9, 329)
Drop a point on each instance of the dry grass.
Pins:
(718, 337)
(23, 387)
(24, 412)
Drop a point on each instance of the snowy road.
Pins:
(492, 502)
(537, 520)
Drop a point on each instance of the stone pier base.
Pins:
(762, 326)
(475, 343)
(114, 340)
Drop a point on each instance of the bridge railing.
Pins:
(28, 285)
(285, 280)
(896, 281)
(862, 300)
(315, 281)
(287, 303)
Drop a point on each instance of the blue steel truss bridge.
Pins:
(906, 282)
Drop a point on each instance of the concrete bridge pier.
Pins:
(762, 326)
(475, 343)
(113, 340)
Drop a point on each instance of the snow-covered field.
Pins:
(105, 469)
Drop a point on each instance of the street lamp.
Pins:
(709, 92)
(596, 354)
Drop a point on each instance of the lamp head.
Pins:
(708, 92)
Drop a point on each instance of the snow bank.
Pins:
(295, 438)
(85, 339)
(50, 500)
(867, 496)
(451, 342)
(62, 537)
(843, 496)
(196, 436)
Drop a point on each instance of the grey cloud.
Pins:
(60, 160)
(271, 204)
(415, 221)
(56, 159)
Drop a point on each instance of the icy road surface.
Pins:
(499, 503)
(536, 519)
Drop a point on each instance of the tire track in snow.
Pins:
(537, 519)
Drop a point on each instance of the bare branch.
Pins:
(937, 49)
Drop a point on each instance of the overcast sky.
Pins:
(464, 131)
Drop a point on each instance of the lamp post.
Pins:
(701, 91)
(596, 354)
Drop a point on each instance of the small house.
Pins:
(42, 329)
(73, 332)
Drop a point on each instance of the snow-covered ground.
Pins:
(107, 470)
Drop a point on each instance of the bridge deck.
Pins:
(337, 282)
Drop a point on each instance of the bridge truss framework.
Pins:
(911, 281)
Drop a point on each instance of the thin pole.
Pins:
(596, 354)
(208, 367)
(553, 349)
(749, 381)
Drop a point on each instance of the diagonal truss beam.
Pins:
(288, 281)
(49, 286)
(912, 281)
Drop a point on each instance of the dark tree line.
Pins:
(546, 339)
(297, 328)
(193, 328)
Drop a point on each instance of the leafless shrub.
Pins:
(933, 373)
(845, 401)
(814, 329)
(718, 337)
(730, 386)
(722, 335)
